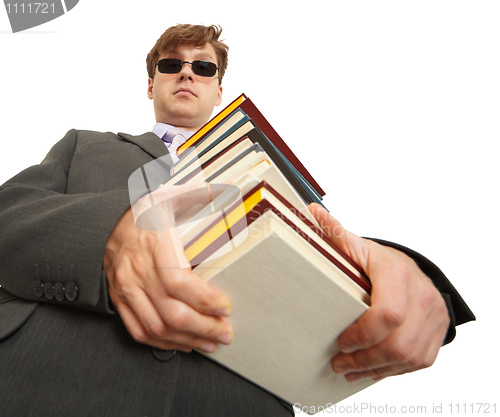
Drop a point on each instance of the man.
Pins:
(69, 240)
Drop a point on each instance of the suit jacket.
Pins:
(56, 218)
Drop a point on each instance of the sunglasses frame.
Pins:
(187, 62)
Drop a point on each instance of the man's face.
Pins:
(185, 100)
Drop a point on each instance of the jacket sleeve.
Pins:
(52, 243)
(458, 310)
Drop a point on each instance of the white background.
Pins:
(398, 101)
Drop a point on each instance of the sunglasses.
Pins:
(174, 66)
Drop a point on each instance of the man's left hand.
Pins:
(407, 321)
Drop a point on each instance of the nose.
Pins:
(186, 71)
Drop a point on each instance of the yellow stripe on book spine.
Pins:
(223, 225)
(222, 115)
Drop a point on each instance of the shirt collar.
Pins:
(159, 129)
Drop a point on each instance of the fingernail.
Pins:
(226, 338)
(224, 312)
(208, 347)
(347, 348)
(339, 369)
(185, 349)
(353, 377)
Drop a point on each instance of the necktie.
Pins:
(174, 138)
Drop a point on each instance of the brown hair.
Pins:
(194, 34)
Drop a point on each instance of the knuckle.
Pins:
(175, 283)
(365, 338)
(428, 362)
(149, 239)
(138, 335)
(211, 329)
(401, 353)
(205, 303)
(157, 330)
(392, 316)
(178, 319)
(403, 267)
(415, 361)
(377, 372)
(139, 264)
(443, 312)
(120, 278)
(358, 362)
(428, 295)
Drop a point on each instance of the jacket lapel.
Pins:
(148, 142)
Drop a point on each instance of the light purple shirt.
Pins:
(159, 129)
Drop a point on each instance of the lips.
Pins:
(184, 91)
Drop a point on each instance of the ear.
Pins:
(150, 88)
(219, 96)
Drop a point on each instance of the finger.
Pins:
(184, 302)
(332, 227)
(387, 309)
(403, 350)
(181, 318)
(403, 361)
(146, 326)
(187, 287)
(389, 284)
(387, 312)
(170, 341)
(355, 369)
(132, 323)
(361, 361)
(398, 369)
(345, 240)
(141, 317)
(379, 374)
(396, 349)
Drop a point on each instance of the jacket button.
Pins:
(48, 290)
(71, 291)
(37, 288)
(163, 355)
(59, 291)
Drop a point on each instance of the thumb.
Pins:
(331, 226)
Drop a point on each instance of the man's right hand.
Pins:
(161, 302)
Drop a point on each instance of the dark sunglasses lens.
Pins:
(204, 68)
(169, 66)
(173, 66)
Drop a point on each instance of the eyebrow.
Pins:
(205, 56)
(198, 56)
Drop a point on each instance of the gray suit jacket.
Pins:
(55, 219)
(57, 216)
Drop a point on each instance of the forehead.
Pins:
(190, 51)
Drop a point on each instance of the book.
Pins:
(202, 150)
(251, 110)
(255, 203)
(245, 104)
(292, 289)
(210, 125)
(288, 311)
(229, 165)
(190, 223)
(249, 130)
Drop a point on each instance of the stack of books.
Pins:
(292, 289)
